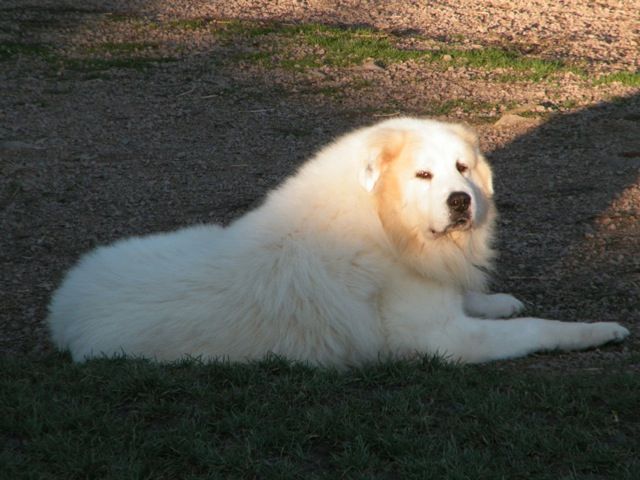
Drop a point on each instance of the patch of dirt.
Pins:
(129, 117)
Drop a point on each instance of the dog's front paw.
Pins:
(507, 305)
(600, 333)
(497, 305)
(615, 332)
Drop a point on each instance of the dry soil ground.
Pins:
(130, 117)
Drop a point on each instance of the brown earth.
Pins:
(91, 152)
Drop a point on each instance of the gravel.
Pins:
(87, 157)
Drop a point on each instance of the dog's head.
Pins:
(433, 192)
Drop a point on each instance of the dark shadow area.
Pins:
(569, 202)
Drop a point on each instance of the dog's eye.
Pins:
(423, 174)
(461, 167)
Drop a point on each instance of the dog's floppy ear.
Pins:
(483, 170)
(384, 146)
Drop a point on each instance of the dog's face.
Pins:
(429, 181)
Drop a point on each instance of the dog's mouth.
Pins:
(457, 225)
(462, 223)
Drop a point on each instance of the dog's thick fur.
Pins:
(364, 253)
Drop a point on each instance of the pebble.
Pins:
(371, 65)
(511, 120)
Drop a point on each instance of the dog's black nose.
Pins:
(459, 202)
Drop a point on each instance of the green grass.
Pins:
(105, 56)
(630, 79)
(348, 46)
(494, 58)
(342, 47)
(93, 65)
(133, 419)
(9, 50)
(303, 46)
(187, 24)
(121, 48)
(122, 55)
(241, 28)
(447, 107)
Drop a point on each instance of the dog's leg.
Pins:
(497, 305)
(473, 341)
(425, 318)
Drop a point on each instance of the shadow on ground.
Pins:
(570, 203)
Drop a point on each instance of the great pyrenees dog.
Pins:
(377, 247)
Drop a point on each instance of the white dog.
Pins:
(377, 247)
